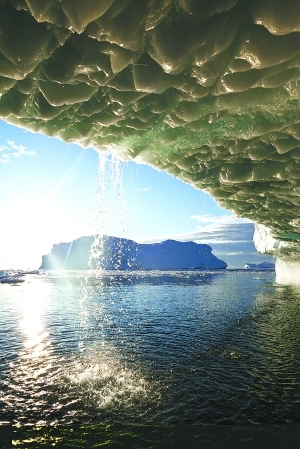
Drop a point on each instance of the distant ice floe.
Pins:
(11, 277)
(260, 266)
(15, 277)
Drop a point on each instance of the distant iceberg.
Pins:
(260, 266)
(113, 253)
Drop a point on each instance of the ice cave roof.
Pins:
(206, 90)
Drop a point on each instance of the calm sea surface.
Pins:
(150, 348)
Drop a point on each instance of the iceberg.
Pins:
(208, 91)
(114, 253)
(260, 266)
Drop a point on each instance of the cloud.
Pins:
(222, 229)
(211, 229)
(236, 254)
(13, 151)
(14, 146)
(145, 189)
(213, 219)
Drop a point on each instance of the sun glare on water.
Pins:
(32, 304)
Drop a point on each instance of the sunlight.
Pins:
(30, 225)
(35, 337)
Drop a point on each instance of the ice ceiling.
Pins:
(207, 90)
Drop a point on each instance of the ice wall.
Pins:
(286, 252)
(208, 91)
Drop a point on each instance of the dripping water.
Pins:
(101, 375)
(109, 205)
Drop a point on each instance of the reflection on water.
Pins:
(34, 336)
(167, 348)
(34, 363)
(275, 391)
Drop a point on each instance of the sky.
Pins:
(52, 192)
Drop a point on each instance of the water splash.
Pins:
(109, 213)
(106, 383)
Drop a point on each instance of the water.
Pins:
(150, 348)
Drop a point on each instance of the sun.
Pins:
(30, 226)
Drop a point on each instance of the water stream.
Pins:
(109, 201)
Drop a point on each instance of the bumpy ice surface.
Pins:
(208, 91)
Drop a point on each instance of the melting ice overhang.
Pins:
(208, 91)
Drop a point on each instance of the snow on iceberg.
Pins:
(123, 254)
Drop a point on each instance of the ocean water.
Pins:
(150, 348)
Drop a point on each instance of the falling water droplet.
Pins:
(109, 201)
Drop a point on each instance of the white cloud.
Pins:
(219, 232)
(228, 218)
(30, 153)
(145, 189)
(212, 229)
(14, 151)
(222, 229)
(14, 146)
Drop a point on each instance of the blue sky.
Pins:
(52, 192)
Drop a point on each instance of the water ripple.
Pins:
(163, 348)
